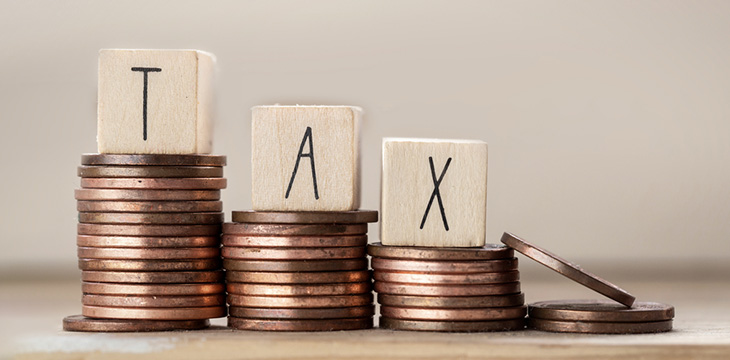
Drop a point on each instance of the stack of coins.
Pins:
(298, 271)
(448, 289)
(149, 242)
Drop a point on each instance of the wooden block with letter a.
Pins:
(305, 158)
(433, 193)
(155, 102)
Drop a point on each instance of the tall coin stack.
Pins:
(298, 271)
(448, 289)
(149, 242)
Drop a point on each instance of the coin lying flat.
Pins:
(432, 266)
(300, 325)
(473, 314)
(83, 323)
(156, 277)
(149, 265)
(306, 217)
(147, 195)
(152, 289)
(149, 206)
(298, 290)
(293, 253)
(600, 311)
(149, 253)
(324, 277)
(153, 301)
(321, 313)
(192, 313)
(151, 218)
(153, 159)
(155, 183)
(600, 327)
(452, 326)
(297, 302)
(295, 265)
(446, 290)
(447, 279)
(453, 302)
(294, 229)
(146, 241)
(149, 171)
(148, 230)
(568, 269)
(487, 252)
(294, 241)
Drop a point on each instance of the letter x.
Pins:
(436, 193)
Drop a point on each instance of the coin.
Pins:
(321, 313)
(146, 241)
(293, 253)
(148, 254)
(487, 252)
(149, 171)
(298, 290)
(157, 277)
(297, 302)
(446, 290)
(149, 265)
(149, 206)
(298, 277)
(294, 229)
(452, 326)
(444, 279)
(444, 266)
(306, 217)
(296, 265)
(83, 323)
(154, 183)
(294, 241)
(149, 230)
(181, 313)
(473, 314)
(152, 289)
(460, 302)
(154, 301)
(568, 269)
(600, 327)
(151, 218)
(300, 325)
(146, 195)
(153, 159)
(600, 311)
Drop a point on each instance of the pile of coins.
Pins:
(448, 289)
(149, 242)
(298, 271)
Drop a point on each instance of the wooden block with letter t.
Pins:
(305, 158)
(433, 193)
(155, 102)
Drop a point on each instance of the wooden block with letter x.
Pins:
(155, 102)
(433, 193)
(305, 158)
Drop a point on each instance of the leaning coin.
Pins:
(600, 327)
(321, 313)
(300, 325)
(294, 241)
(295, 265)
(298, 290)
(568, 269)
(445, 266)
(149, 171)
(149, 265)
(475, 314)
(460, 302)
(153, 277)
(190, 313)
(152, 289)
(444, 279)
(324, 277)
(83, 323)
(306, 217)
(153, 301)
(148, 230)
(293, 253)
(146, 241)
(298, 302)
(153, 159)
(446, 290)
(148, 253)
(149, 206)
(452, 326)
(154, 183)
(147, 195)
(151, 218)
(600, 311)
(294, 229)
(487, 252)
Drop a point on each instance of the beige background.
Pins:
(608, 123)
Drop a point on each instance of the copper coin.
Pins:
(448, 267)
(321, 313)
(452, 326)
(149, 265)
(146, 241)
(154, 183)
(151, 218)
(294, 241)
(568, 269)
(446, 290)
(293, 253)
(146, 195)
(149, 206)
(153, 159)
(300, 325)
(460, 302)
(487, 252)
(323, 277)
(306, 217)
(83, 323)
(149, 171)
(181, 313)
(148, 253)
(600, 327)
(154, 301)
(298, 302)
(152, 289)
(296, 265)
(157, 277)
(149, 230)
(294, 229)
(298, 290)
(600, 311)
(444, 279)
(473, 314)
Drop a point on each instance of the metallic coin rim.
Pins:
(148, 253)
(92, 171)
(84, 324)
(178, 313)
(212, 183)
(472, 314)
(298, 290)
(296, 302)
(447, 279)
(152, 289)
(148, 265)
(487, 252)
(148, 230)
(294, 241)
(153, 301)
(173, 206)
(460, 302)
(452, 326)
(446, 290)
(146, 195)
(251, 253)
(295, 265)
(153, 277)
(178, 218)
(563, 310)
(294, 229)
(154, 159)
(317, 277)
(444, 267)
(300, 325)
(306, 217)
(163, 242)
(302, 313)
(586, 327)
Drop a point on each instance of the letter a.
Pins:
(300, 155)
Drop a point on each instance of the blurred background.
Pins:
(608, 123)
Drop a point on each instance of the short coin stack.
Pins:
(149, 242)
(448, 289)
(298, 271)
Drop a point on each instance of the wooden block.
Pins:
(433, 193)
(155, 102)
(306, 158)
